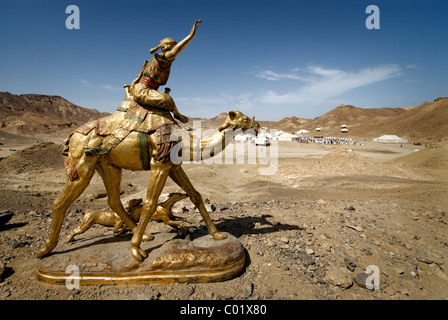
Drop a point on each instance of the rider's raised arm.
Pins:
(174, 52)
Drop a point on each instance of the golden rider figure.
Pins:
(155, 73)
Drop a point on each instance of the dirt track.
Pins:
(309, 230)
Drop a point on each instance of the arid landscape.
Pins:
(310, 230)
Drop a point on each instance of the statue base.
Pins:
(108, 260)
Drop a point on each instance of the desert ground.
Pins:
(310, 230)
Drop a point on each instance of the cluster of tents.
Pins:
(264, 137)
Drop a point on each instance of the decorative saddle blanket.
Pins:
(131, 116)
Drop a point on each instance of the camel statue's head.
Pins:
(237, 120)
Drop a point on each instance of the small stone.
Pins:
(75, 292)
(2, 270)
(270, 244)
(418, 284)
(248, 289)
(357, 228)
(223, 207)
(422, 256)
(186, 292)
(400, 271)
(350, 264)
(361, 280)
(309, 251)
(284, 239)
(338, 276)
(305, 259)
(100, 196)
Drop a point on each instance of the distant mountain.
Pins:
(427, 121)
(28, 113)
(288, 124)
(351, 115)
(356, 119)
(213, 122)
(34, 113)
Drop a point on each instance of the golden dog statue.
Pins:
(134, 209)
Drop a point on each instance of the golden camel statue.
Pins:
(126, 155)
(138, 137)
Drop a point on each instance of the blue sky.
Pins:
(268, 59)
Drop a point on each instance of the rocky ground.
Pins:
(310, 231)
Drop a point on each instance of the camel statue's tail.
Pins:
(70, 166)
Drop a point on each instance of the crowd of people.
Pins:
(328, 140)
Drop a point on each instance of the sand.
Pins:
(327, 213)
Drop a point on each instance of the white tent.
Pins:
(244, 137)
(286, 137)
(277, 133)
(388, 138)
(300, 132)
(240, 137)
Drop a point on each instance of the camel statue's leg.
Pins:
(111, 176)
(180, 178)
(71, 191)
(157, 179)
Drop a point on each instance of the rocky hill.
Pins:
(288, 124)
(425, 122)
(34, 113)
(429, 120)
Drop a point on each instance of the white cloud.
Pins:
(412, 66)
(109, 87)
(316, 86)
(274, 76)
(211, 106)
(85, 83)
(325, 83)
